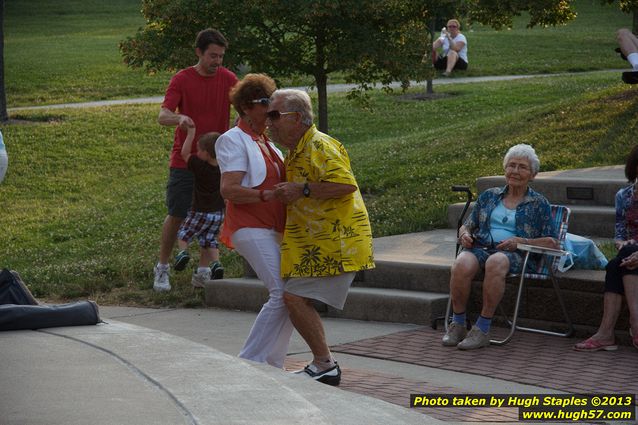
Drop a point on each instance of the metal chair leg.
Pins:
(561, 301)
(516, 307)
(514, 326)
(448, 309)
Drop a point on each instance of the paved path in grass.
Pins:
(332, 88)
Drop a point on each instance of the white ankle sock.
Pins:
(202, 269)
(633, 60)
(324, 364)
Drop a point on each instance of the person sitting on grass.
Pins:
(628, 49)
(454, 49)
(207, 213)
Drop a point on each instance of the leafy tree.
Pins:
(499, 13)
(368, 42)
(628, 6)
(371, 41)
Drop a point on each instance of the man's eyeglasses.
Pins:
(275, 115)
(452, 26)
(263, 101)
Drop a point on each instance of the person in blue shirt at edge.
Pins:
(4, 159)
(622, 271)
(501, 219)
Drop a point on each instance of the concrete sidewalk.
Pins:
(119, 373)
(173, 366)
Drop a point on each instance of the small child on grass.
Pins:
(207, 211)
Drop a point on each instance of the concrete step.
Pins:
(392, 305)
(408, 276)
(363, 303)
(582, 291)
(585, 220)
(406, 293)
(585, 186)
(410, 284)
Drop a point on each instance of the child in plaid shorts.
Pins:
(207, 212)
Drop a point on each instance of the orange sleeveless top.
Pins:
(265, 215)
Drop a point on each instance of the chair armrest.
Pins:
(541, 250)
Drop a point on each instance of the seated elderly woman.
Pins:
(501, 219)
(622, 271)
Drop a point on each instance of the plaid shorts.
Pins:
(204, 225)
(516, 260)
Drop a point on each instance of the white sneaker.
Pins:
(200, 278)
(161, 283)
(474, 339)
(456, 333)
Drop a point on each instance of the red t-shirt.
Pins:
(204, 99)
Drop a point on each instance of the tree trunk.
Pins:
(429, 87)
(4, 116)
(321, 78)
(322, 92)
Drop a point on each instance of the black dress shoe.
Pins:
(330, 376)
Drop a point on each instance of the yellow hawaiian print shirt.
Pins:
(324, 237)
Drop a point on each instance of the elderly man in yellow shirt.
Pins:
(327, 238)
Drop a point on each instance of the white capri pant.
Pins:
(270, 335)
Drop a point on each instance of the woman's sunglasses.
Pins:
(275, 115)
(263, 101)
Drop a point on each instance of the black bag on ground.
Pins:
(16, 317)
(13, 290)
(20, 310)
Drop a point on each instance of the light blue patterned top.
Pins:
(533, 216)
(1, 142)
(626, 215)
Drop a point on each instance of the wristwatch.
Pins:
(306, 190)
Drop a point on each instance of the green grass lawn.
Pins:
(83, 201)
(586, 43)
(67, 50)
(83, 198)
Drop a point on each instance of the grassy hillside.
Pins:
(584, 44)
(82, 203)
(66, 50)
(83, 199)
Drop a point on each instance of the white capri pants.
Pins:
(270, 335)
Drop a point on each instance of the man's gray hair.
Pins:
(295, 101)
(523, 151)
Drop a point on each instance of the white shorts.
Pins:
(331, 290)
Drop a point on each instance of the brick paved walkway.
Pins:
(539, 360)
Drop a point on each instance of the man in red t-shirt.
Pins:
(196, 96)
